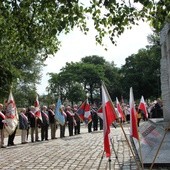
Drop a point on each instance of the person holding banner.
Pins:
(2, 117)
(77, 119)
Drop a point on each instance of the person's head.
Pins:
(52, 106)
(44, 108)
(23, 110)
(32, 108)
(68, 107)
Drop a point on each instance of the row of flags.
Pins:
(106, 112)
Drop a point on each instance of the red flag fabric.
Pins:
(109, 115)
(133, 117)
(37, 109)
(11, 115)
(142, 106)
(84, 112)
(119, 108)
(87, 113)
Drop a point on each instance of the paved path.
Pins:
(80, 152)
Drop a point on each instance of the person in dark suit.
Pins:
(52, 121)
(23, 125)
(2, 117)
(45, 123)
(94, 118)
(31, 119)
(77, 119)
(70, 120)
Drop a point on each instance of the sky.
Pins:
(76, 45)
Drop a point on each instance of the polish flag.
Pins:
(37, 109)
(133, 118)
(109, 115)
(119, 108)
(142, 106)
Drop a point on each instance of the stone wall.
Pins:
(165, 70)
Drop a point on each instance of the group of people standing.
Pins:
(31, 124)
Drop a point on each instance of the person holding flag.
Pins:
(77, 119)
(38, 118)
(11, 120)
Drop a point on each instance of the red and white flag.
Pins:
(37, 109)
(142, 106)
(109, 115)
(133, 117)
(87, 113)
(119, 108)
(84, 112)
(100, 112)
(11, 120)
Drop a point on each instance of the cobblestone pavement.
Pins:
(79, 152)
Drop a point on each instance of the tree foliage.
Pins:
(141, 71)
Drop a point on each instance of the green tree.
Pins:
(141, 71)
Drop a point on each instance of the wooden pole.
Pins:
(158, 149)
(140, 152)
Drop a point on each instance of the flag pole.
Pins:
(122, 127)
(140, 152)
(159, 149)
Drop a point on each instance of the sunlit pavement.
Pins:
(83, 151)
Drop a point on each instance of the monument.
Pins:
(155, 133)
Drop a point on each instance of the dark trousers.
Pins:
(77, 128)
(62, 131)
(11, 137)
(95, 124)
(70, 128)
(90, 127)
(101, 123)
(44, 132)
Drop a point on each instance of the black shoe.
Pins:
(3, 146)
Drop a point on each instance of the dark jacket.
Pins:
(45, 118)
(51, 116)
(31, 119)
(23, 122)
